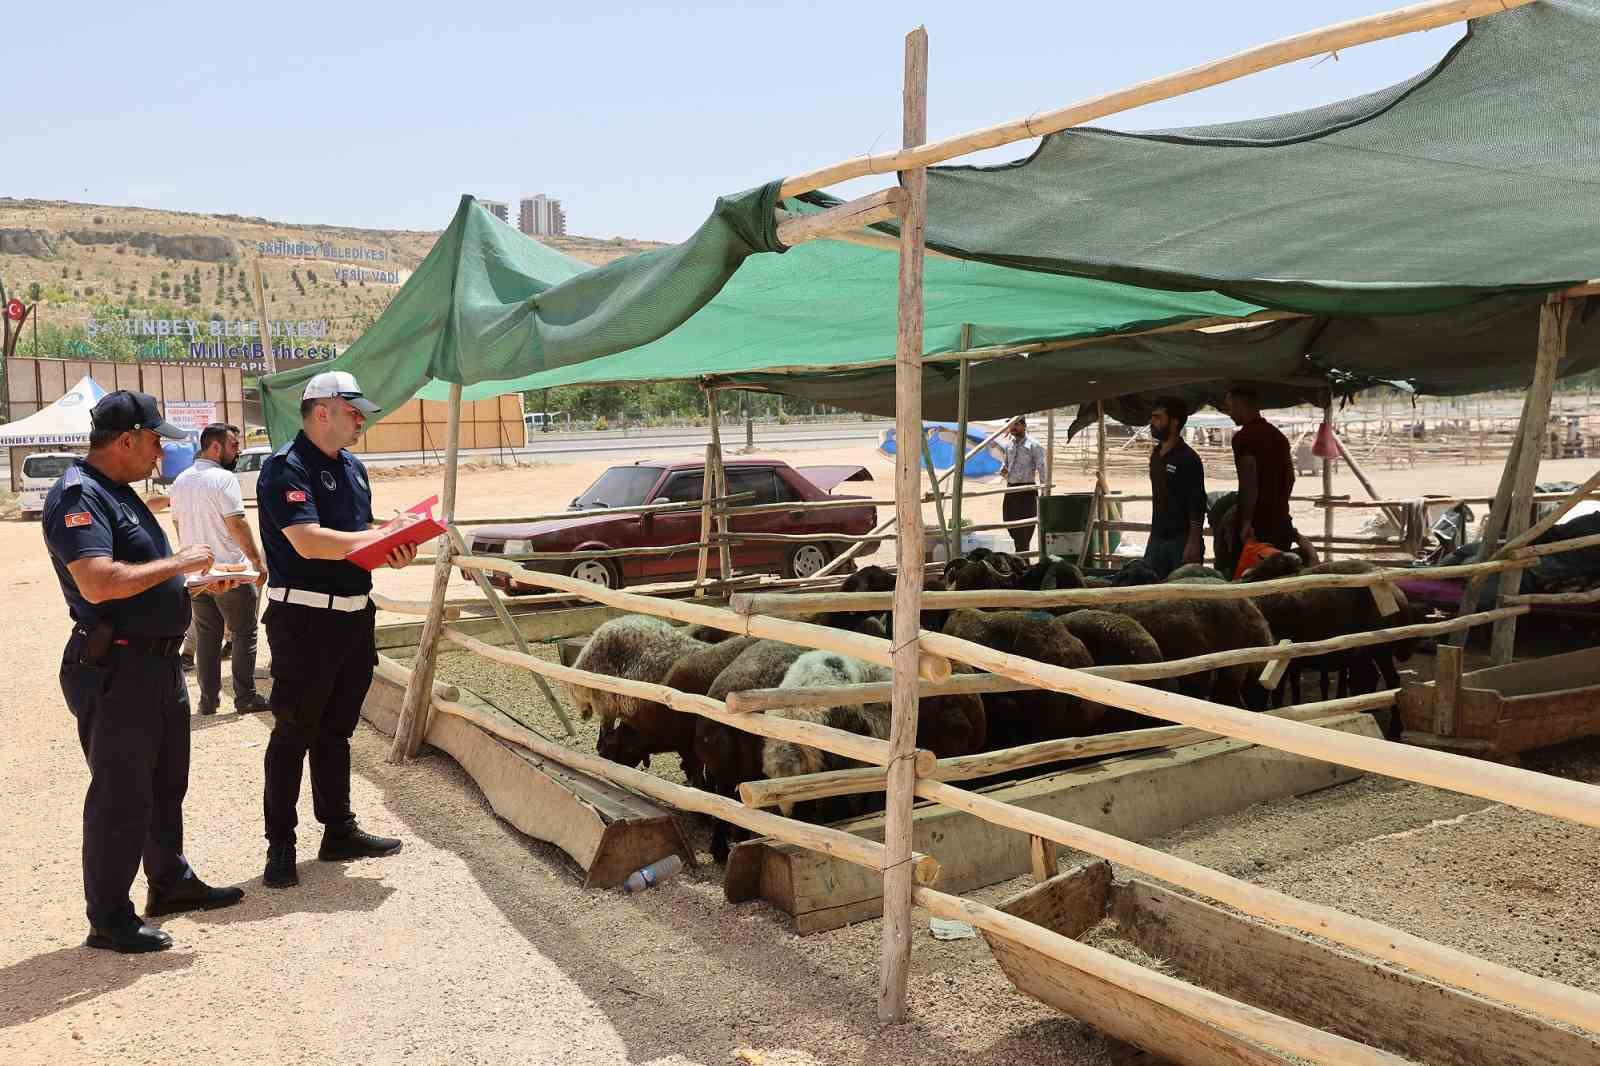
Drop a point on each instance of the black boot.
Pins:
(280, 871)
(134, 938)
(190, 894)
(352, 842)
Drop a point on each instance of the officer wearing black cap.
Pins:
(120, 675)
(316, 507)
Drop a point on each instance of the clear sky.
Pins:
(636, 116)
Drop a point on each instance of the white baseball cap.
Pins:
(340, 383)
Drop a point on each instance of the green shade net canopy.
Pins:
(1411, 233)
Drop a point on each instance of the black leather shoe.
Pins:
(207, 711)
(280, 871)
(133, 939)
(191, 894)
(252, 705)
(355, 843)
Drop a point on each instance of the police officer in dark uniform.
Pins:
(120, 674)
(316, 507)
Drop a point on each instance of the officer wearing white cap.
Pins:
(316, 507)
(125, 591)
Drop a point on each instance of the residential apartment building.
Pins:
(541, 216)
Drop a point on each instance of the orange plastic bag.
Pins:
(1254, 552)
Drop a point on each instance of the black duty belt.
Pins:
(160, 647)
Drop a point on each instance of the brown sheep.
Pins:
(1231, 625)
(653, 728)
(1114, 639)
(636, 647)
(1023, 717)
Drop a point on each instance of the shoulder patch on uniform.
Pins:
(295, 496)
(80, 518)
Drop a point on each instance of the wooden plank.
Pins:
(854, 214)
(536, 626)
(1331, 989)
(1068, 903)
(1135, 797)
(1043, 855)
(1446, 687)
(608, 831)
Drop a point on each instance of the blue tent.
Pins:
(942, 445)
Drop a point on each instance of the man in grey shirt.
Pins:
(1024, 465)
(208, 509)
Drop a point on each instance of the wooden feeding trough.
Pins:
(1275, 970)
(1500, 711)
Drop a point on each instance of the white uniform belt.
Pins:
(303, 598)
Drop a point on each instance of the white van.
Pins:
(248, 470)
(537, 421)
(40, 472)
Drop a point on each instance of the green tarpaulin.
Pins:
(1416, 227)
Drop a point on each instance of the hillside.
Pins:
(91, 261)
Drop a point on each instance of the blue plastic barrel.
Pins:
(176, 457)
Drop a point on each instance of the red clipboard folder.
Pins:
(374, 555)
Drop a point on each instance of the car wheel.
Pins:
(803, 560)
(602, 572)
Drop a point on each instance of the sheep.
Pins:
(1022, 717)
(1193, 571)
(1229, 625)
(1179, 632)
(1318, 614)
(968, 575)
(652, 728)
(635, 647)
(1137, 572)
(1114, 639)
(1051, 573)
(729, 757)
(877, 579)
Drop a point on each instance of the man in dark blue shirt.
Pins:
(1178, 491)
(126, 593)
(316, 507)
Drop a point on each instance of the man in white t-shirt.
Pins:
(208, 509)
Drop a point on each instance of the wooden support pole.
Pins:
(1417, 17)
(1503, 983)
(958, 475)
(412, 725)
(707, 494)
(724, 549)
(897, 882)
(1361, 476)
(1327, 478)
(1044, 856)
(1493, 527)
(1446, 689)
(267, 357)
(938, 500)
(492, 594)
(1554, 317)
(1102, 511)
(856, 214)
(1549, 521)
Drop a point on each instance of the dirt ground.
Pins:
(477, 945)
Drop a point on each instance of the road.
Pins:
(650, 443)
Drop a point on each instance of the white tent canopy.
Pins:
(65, 422)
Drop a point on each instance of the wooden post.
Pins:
(1101, 486)
(938, 496)
(958, 476)
(1327, 481)
(897, 862)
(1553, 319)
(490, 593)
(261, 318)
(1493, 527)
(724, 549)
(1446, 689)
(413, 723)
(707, 494)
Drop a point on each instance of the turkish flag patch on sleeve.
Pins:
(295, 495)
(82, 518)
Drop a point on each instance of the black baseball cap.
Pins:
(124, 411)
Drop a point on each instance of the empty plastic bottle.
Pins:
(653, 874)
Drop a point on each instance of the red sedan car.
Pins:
(767, 481)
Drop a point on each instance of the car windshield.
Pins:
(46, 466)
(621, 486)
